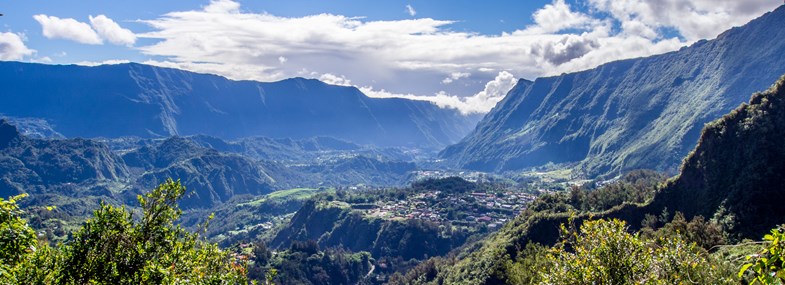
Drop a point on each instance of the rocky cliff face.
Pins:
(630, 114)
(147, 101)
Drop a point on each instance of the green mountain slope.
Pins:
(734, 172)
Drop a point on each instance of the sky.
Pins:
(456, 53)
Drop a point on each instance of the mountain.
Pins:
(361, 170)
(628, 114)
(734, 175)
(146, 101)
(211, 177)
(30, 165)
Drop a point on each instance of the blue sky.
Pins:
(458, 54)
(19, 17)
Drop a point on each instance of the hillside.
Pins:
(29, 165)
(733, 174)
(146, 101)
(212, 177)
(629, 114)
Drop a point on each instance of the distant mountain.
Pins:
(146, 101)
(629, 114)
(361, 170)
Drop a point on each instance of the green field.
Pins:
(295, 193)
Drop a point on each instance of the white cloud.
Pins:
(335, 79)
(410, 10)
(482, 102)
(111, 31)
(105, 62)
(417, 58)
(455, 76)
(697, 19)
(67, 29)
(558, 16)
(44, 59)
(12, 47)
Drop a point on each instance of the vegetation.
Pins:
(724, 194)
(306, 263)
(768, 265)
(603, 252)
(115, 248)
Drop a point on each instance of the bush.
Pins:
(603, 252)
(114, 248)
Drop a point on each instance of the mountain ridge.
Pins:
(147, 101)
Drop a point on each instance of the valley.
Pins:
(660, 166)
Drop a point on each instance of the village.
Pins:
(468, 210)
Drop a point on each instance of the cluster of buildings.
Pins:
(457, 209)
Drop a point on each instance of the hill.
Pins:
(629, 114)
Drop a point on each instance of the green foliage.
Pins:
(603, 252)
(635, 187)
(526, 270)
(768, 265)
(706, 234)
(17, 239)
(305, 263)
(114, 248)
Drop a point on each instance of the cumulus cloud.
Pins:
(410, 10)
(697, 19)
(558, 16)
(111, 31)
(419, 58)
(101, 28)
(12, 47)
(67, 29)
(481, 102)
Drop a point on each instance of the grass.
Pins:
(295, 193)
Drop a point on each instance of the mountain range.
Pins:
(628, 114)
(146, 101)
